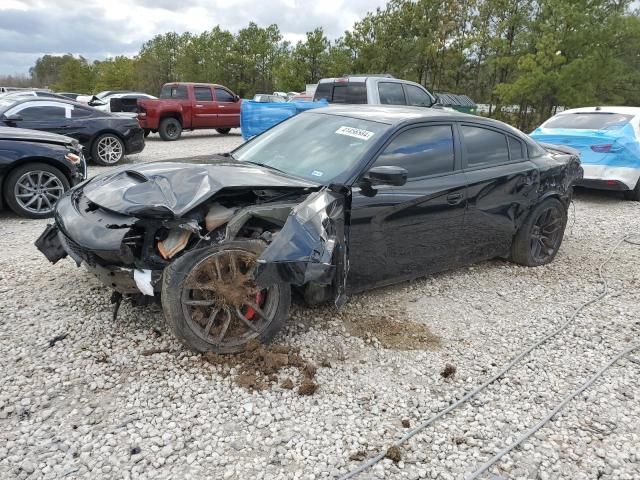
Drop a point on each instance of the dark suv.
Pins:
(373, 90)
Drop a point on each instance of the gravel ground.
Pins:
(99, 403)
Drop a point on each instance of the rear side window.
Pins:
(223, 96)
(391, 93)
(484, 146)
(355, 93)
(48, 112)
(516, 149)
(421, 151)
(203, 94)
(417, 97)
(174, 91)
(589, 121)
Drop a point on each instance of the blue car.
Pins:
(608, 139)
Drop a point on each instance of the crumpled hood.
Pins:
(171, 189)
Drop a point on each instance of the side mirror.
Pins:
(236, 98)
(387, 175)
(16, 117)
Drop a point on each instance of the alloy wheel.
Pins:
(221, 303)
(109, 149)
(546, 233)
(38, 191)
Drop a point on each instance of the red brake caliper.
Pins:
(250, 313)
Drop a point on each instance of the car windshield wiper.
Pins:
(269, 167)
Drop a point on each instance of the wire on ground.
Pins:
(411, 433)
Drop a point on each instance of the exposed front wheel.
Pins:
(170, 129)
(107, 149)
(212, 304)
(32, 190)
(223, 131)
(540, 236)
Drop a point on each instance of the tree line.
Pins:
(536, 54)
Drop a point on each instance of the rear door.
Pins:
(391, 93)
(400, 232)
(502, 185)
(228, 108)
(205, 109)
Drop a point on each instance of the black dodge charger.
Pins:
(331, 202)
(105, 137)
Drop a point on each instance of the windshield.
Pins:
(313, 146)
(589, 121)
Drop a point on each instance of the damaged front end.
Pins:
(302, 227)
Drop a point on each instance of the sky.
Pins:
(97, 29)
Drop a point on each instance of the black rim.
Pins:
(172, 130)
(222, 304)
(546, 234)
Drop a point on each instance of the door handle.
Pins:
(454, 198)
(199, 106)
(221, 106)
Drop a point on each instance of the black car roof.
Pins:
(397, 115)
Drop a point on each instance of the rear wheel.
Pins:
(32, 190)
(540, 236)
(107, 149)
(212, 304)
(633, 194)
(170, 129)
(223, 131)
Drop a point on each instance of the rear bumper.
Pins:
(134, 142)
(604, 177)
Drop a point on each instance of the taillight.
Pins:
(601, 148)
(606, 148)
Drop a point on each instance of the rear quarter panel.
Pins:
(161, 108)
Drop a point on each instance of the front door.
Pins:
(402, 232)
(228, 109)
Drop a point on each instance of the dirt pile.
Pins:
(393, 331)
(258, 367)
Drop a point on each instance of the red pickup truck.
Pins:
(189, 106)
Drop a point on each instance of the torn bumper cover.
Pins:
(312, 245)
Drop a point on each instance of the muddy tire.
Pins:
(223, 131)
(633, 195)
(32, 190)
(170, 129)
(211, 305)
(540, 236)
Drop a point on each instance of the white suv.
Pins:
(373, 90)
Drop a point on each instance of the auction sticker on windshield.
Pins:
(355, 133)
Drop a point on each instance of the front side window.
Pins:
(315, 146)
(417, 97)
(391, 94)
(203, 94)
(42, 112)
(484, 146)
(421, 151)
(223, 96)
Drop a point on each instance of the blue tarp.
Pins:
(256, 117)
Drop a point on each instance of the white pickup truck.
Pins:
(373, 90)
